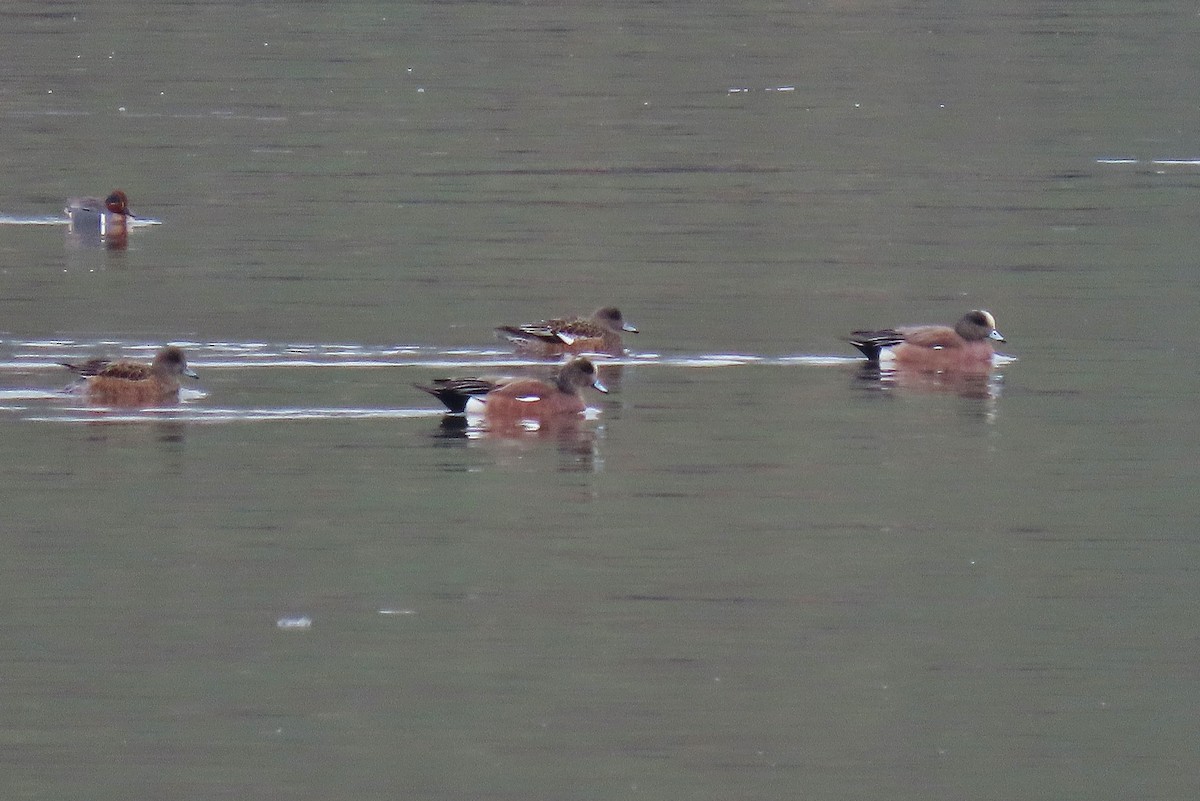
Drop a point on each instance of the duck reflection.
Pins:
(577, 442)
(168, 432)
(982, 384)
(90, 238)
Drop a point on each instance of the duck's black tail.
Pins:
(455, 392)
(872, 342)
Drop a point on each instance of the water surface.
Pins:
(759, 572)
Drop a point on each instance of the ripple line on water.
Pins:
(201, 415)
(48, 354)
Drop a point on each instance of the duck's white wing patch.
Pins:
(528, 398)
(535, 330)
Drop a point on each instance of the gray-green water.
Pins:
(760, 577)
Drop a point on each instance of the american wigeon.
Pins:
(512, 400)
(935, 347)
(600, 333)
(129, 383)
(107, 216)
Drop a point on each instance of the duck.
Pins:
(517, 399)
(600, 333)
(132, 383)
(108, 216)
(965, 345)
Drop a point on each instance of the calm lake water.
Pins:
(759, 572)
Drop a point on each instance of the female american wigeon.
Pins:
(512, 400)
(129, 383)
(968, 345)
(600, 333)
(107, 216)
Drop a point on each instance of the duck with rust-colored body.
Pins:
(966, 345)
(516, 399)
(130, 383)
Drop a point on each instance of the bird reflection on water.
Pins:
(981, 388)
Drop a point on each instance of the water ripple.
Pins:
(200, 415)
(13, 219)
(49, 353)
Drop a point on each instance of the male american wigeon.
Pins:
(129, 383)
(968, 345)
(600, 333)
(511, 400)
(107, 216)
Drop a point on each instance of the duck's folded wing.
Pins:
(571, 331)
(456, 392)
(934, 337)
(127, 371)
(542, 331)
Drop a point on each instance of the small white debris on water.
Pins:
(294, 623)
